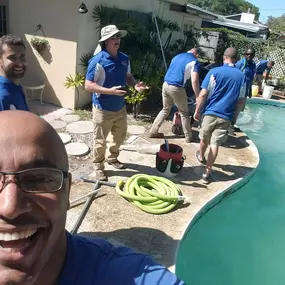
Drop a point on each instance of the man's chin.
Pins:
(18, 76)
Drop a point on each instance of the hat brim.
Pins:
(122, 32)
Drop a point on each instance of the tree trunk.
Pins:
(136, 110)
(76, 98)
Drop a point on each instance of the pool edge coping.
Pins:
(234, 186)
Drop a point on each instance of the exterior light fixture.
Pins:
(82, 9)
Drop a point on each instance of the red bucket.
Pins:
(175, 152)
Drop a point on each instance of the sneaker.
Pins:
(156, 136)
(231, 131)
(203, 161)
(205, 178)
(116, 164)
(188, 139)
(98, 175)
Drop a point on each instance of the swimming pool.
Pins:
(241, 240)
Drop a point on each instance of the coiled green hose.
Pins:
(152, 194)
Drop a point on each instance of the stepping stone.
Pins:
(57, 124)
(65, 138)
(70, 118)
(80, 127)
(136, 130)
(77, 149)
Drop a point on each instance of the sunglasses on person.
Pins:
(36, 180)
(250, 54)
(117, 36)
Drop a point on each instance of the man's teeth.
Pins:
(16, 235)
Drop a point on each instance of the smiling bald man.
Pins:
(35, 248)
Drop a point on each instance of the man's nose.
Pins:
(20, 62)
(13, 201)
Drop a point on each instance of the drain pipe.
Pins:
(158, 34)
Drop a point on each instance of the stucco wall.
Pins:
(59, 20)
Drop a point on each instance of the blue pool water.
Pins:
(241, 241)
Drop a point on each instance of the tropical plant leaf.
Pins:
(84, 59)
(75, 82)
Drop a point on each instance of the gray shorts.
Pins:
(214, 130)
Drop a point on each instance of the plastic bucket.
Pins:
(175, 152)
(267, 92)
(254, 90)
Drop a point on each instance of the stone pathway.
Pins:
(70, 124)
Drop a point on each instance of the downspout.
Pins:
(158, 33)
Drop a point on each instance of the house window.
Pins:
(3, 20)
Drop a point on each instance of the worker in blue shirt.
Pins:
(248, 67)
(222, 93)
(12, 69)
(107, 76)
(263, 68)
(34, 199)
(182, 67)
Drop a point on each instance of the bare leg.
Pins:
(211, 158)
(203, 147)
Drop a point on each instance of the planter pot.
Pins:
(39, 47)
(136, 110)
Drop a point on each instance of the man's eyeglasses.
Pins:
(36, 180)
(250, 54)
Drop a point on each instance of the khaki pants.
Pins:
(173, 94)
(104, 123)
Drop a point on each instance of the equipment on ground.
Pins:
(90, 197)
(152, 194)
(169, 159)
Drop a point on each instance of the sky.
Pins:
(267, 8)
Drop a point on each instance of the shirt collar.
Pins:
(5, 80)
(108, 55)
(229, 64)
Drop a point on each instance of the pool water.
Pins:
(241, 241)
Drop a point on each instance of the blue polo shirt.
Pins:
(96, 262)
(108, 72)
(261, 66)
(225, 85)
(12, 96)
(180, 69)
(248, 68)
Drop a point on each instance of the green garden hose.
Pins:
(152, 194)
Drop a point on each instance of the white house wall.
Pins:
(59, 21)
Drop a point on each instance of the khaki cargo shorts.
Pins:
(214, 130)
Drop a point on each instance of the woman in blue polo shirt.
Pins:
(107, 76)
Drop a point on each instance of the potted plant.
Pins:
(136, 98)
(39, 44)
(76, 83)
